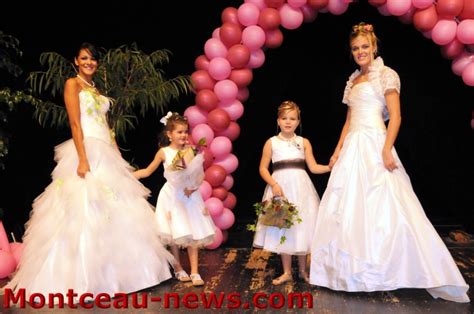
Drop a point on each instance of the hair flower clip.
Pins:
(368, 27)
(164, 120)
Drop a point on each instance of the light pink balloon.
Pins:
(225, 220)
(444, 32)
(259, 3)
(461, 62)
(257, 59)
(202, 131)
(201, 63)
(248, 14)
(422, 4)
(398, 7)
(219, 68)
(273, 38)
(218, 239)
(243, 94)
(309, 14)
(468, 75)
(337, 7)
(465, 32)
(241, 77)
(195, 116)
(452, 49)
(407, 18)
(228, 162)
(214, 206)
(291, 18)
(226, 90)
(206, 99)
(214, 48)
(296, 3)
(383, 9)
(221, 146)
(17, 250)
(202, 80)
(253, 37)
(232, 131)
(216, 33)
(228, 183)
(234, 109)
(238, 56)
(7, 263)
(206, 190)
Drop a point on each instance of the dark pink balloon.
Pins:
(273, 38)
(230, 34)
(449, 8)
(424, 20)
(468, 75)
(243, 94)
(274, 3)
(220, 193)
(269, 18)
(318, 4)
(218, 119)
(241, 77)
(208, 158)
(206, 99)
(230, 201)
(195, 116)
(229, 15)
(467, 10)
(309, 13)
(377, 3)
(215, 175)
(407, 18)
(225, 236)
(202, 80)
(232, 131)
(201, 63)
(238, 56)
(452, 50)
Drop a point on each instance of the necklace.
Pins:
(290, 141)
(89, 84)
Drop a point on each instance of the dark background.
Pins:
(311, 68)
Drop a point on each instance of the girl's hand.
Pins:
(188, 192)
(205, 211)
(276, 190)
(388, 160)
(83, 168)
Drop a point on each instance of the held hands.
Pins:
(334, 158)
(388, 160)
(83, 168)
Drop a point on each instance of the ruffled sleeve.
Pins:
(347, 90)
(390, 80)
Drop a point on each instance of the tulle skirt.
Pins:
(94, 235)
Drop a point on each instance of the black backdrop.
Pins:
(311, 67)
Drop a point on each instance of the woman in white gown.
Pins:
(372, 233)
(92, 229)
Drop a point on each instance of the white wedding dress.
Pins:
(95, 234)
(372, 233)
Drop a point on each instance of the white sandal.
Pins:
(182, 276)
(197, 280)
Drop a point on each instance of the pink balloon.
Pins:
(206, 190)
(238, 56)
(201, 63)
(232, 131)
(226, 90)
(383, 9)
(221, 146)
(228, 162)
(218, 119)
(219, 68)
(427, 34)
(467, 75)
(230, 201)
(259, 3)
(229, 15)
(230, 34)
(467, 10)
(291, 18)
(214, 48)
(241, 77)
(234, 109)
(465, 32)
(377, 3)
(274, 3)
(215, 175)
(214, 206)
(208, 158)
(444, 32)
(228, 183)
(398, 7)
(253, 37)
(407, 18)
(218, 239)
(202, 131)
(452, 49)
(309, 14)
(296, 3)
(17, 250)
(248, 14)
(257, 59)
(273, 38)
(318, 4)
(449, 8)
(422, 4)
(424, 20)
(7, 264)
(216, 34)
(225, 234)
(461, 62)
(206, 99)
(243, 94)
(202, 80)
(195, 116)
(220, 192)
(225, 220)
(269, 18)
(337, 7)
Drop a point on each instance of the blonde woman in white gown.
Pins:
(372, 233)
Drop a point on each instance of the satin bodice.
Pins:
(367, 108)
(93, 114)
(285, 150)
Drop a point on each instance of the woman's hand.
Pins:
(83, 168)
(334, 158)
(388, 160)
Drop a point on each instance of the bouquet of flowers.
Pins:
(276, 212)
(184, 157)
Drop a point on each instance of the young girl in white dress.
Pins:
(372, 233)
(182, 217)
(289, 153)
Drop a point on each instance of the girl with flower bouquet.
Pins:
(182, 217)
(290, 182)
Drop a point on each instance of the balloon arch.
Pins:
(224, 71)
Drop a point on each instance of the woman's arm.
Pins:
(344, 131)
(263, 168)
(71, 99)
(146, 172)
(311, 162)
(392, 99)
